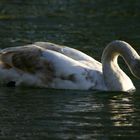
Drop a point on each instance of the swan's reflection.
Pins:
(122, 110)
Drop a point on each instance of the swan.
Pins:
(48, 65)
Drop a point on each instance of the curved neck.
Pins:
(114, 77)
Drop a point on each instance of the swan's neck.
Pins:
(115, 78)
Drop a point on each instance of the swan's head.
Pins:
(135, 68)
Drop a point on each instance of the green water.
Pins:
(88, 25)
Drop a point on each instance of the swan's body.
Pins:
(48, 65)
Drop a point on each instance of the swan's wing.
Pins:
(36, 60)
(26, 59)
(70, 52)
(50, 46)
(17, 56)
(31, 57)
(52, 68)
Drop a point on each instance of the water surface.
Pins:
(60, 114)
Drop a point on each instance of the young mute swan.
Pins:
(48, 65)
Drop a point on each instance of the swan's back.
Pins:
(50, 66)
(72, 53)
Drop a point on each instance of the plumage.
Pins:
(48, 65)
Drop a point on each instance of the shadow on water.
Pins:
(61, 114)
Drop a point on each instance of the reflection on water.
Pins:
(60, 114)
(121, 117)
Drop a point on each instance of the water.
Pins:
(60, 114)
(32, 114)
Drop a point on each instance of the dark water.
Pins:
(32, 114)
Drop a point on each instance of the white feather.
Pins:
(61, 67)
